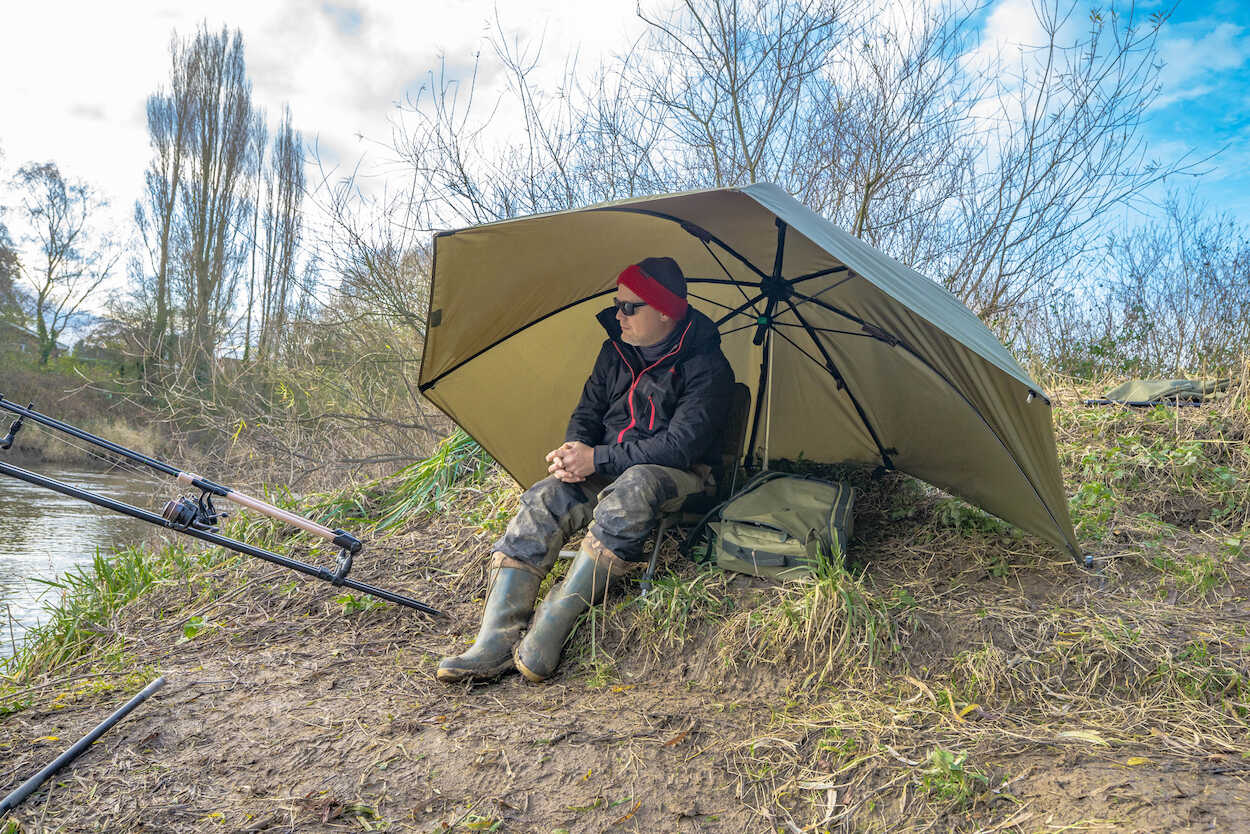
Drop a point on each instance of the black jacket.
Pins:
(670, 413)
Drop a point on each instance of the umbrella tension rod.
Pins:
(887, 462)
(184, 510)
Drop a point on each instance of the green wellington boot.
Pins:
(509, 604)
(538, 654)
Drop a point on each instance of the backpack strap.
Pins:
(698, 534)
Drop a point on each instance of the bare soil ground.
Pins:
(965, 679)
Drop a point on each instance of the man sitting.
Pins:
(637, 444)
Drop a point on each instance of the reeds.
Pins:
(418, 489)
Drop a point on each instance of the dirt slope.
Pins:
(969, 679)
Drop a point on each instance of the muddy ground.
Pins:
(289, 715)
(1066, 700)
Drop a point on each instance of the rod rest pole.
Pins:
(32, 784)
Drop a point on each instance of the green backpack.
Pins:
(777, 525)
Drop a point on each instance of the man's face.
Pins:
(646, 327)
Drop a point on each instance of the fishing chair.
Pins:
(725, 472)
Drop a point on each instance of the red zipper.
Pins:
(620, 438)
(651, 425)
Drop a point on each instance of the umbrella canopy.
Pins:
(850, 355)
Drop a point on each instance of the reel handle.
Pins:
(14, 428)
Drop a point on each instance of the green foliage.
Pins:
(947, 776)
(1194, 574)
(677, 605)
(1199, 673)
(1092, 507)
(422, 487)
(1159, 459)
(193, 627)
(353, 604)
(426, 485)
(966, 519)
(601, 672)
(837, 748)
(78, 621)
(493, 511)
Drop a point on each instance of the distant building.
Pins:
(17, 339)
(97, 353)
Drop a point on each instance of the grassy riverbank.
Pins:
(73, 392)
(959, 676)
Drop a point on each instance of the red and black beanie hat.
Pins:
(660, 283)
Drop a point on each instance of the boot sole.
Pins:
(527, 673)
(454, 675)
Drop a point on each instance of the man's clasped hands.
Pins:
(572, 462)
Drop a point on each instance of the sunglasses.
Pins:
(628, 307)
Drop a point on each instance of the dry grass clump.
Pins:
(830, 625)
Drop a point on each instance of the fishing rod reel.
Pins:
(14, 428)
(187, 514)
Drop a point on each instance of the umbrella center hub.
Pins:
(776, 288)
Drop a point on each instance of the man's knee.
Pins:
(632, 502)
(546, 491)
(642, 484)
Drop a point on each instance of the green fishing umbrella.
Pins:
(850, 356)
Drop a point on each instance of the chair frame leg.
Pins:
(666, 522)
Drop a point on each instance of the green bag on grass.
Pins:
(1147, 392)
(778, 525)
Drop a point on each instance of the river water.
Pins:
(43, 534)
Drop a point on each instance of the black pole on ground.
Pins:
(32, 784)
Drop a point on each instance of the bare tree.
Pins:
(1180, 291)
(741, 87)
(14, 303)
(70, 259)
(990, 181)
(1063, 148)
(262, 141)
(197, 209)
(221, 156)
(282, 230)
(156, 214)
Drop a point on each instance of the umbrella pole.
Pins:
(768, 412)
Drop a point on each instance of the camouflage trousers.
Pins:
(621, 512)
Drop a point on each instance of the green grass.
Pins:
(826, 623)
(81, 606)
(677, 606)
(948, 777)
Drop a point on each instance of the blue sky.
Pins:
(1204, 105)
(77, 74)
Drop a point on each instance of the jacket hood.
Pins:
(703, 335)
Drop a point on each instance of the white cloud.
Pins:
(1194, 54)
(1009, 26)
(78, 74)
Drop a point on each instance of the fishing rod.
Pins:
(199, 517)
